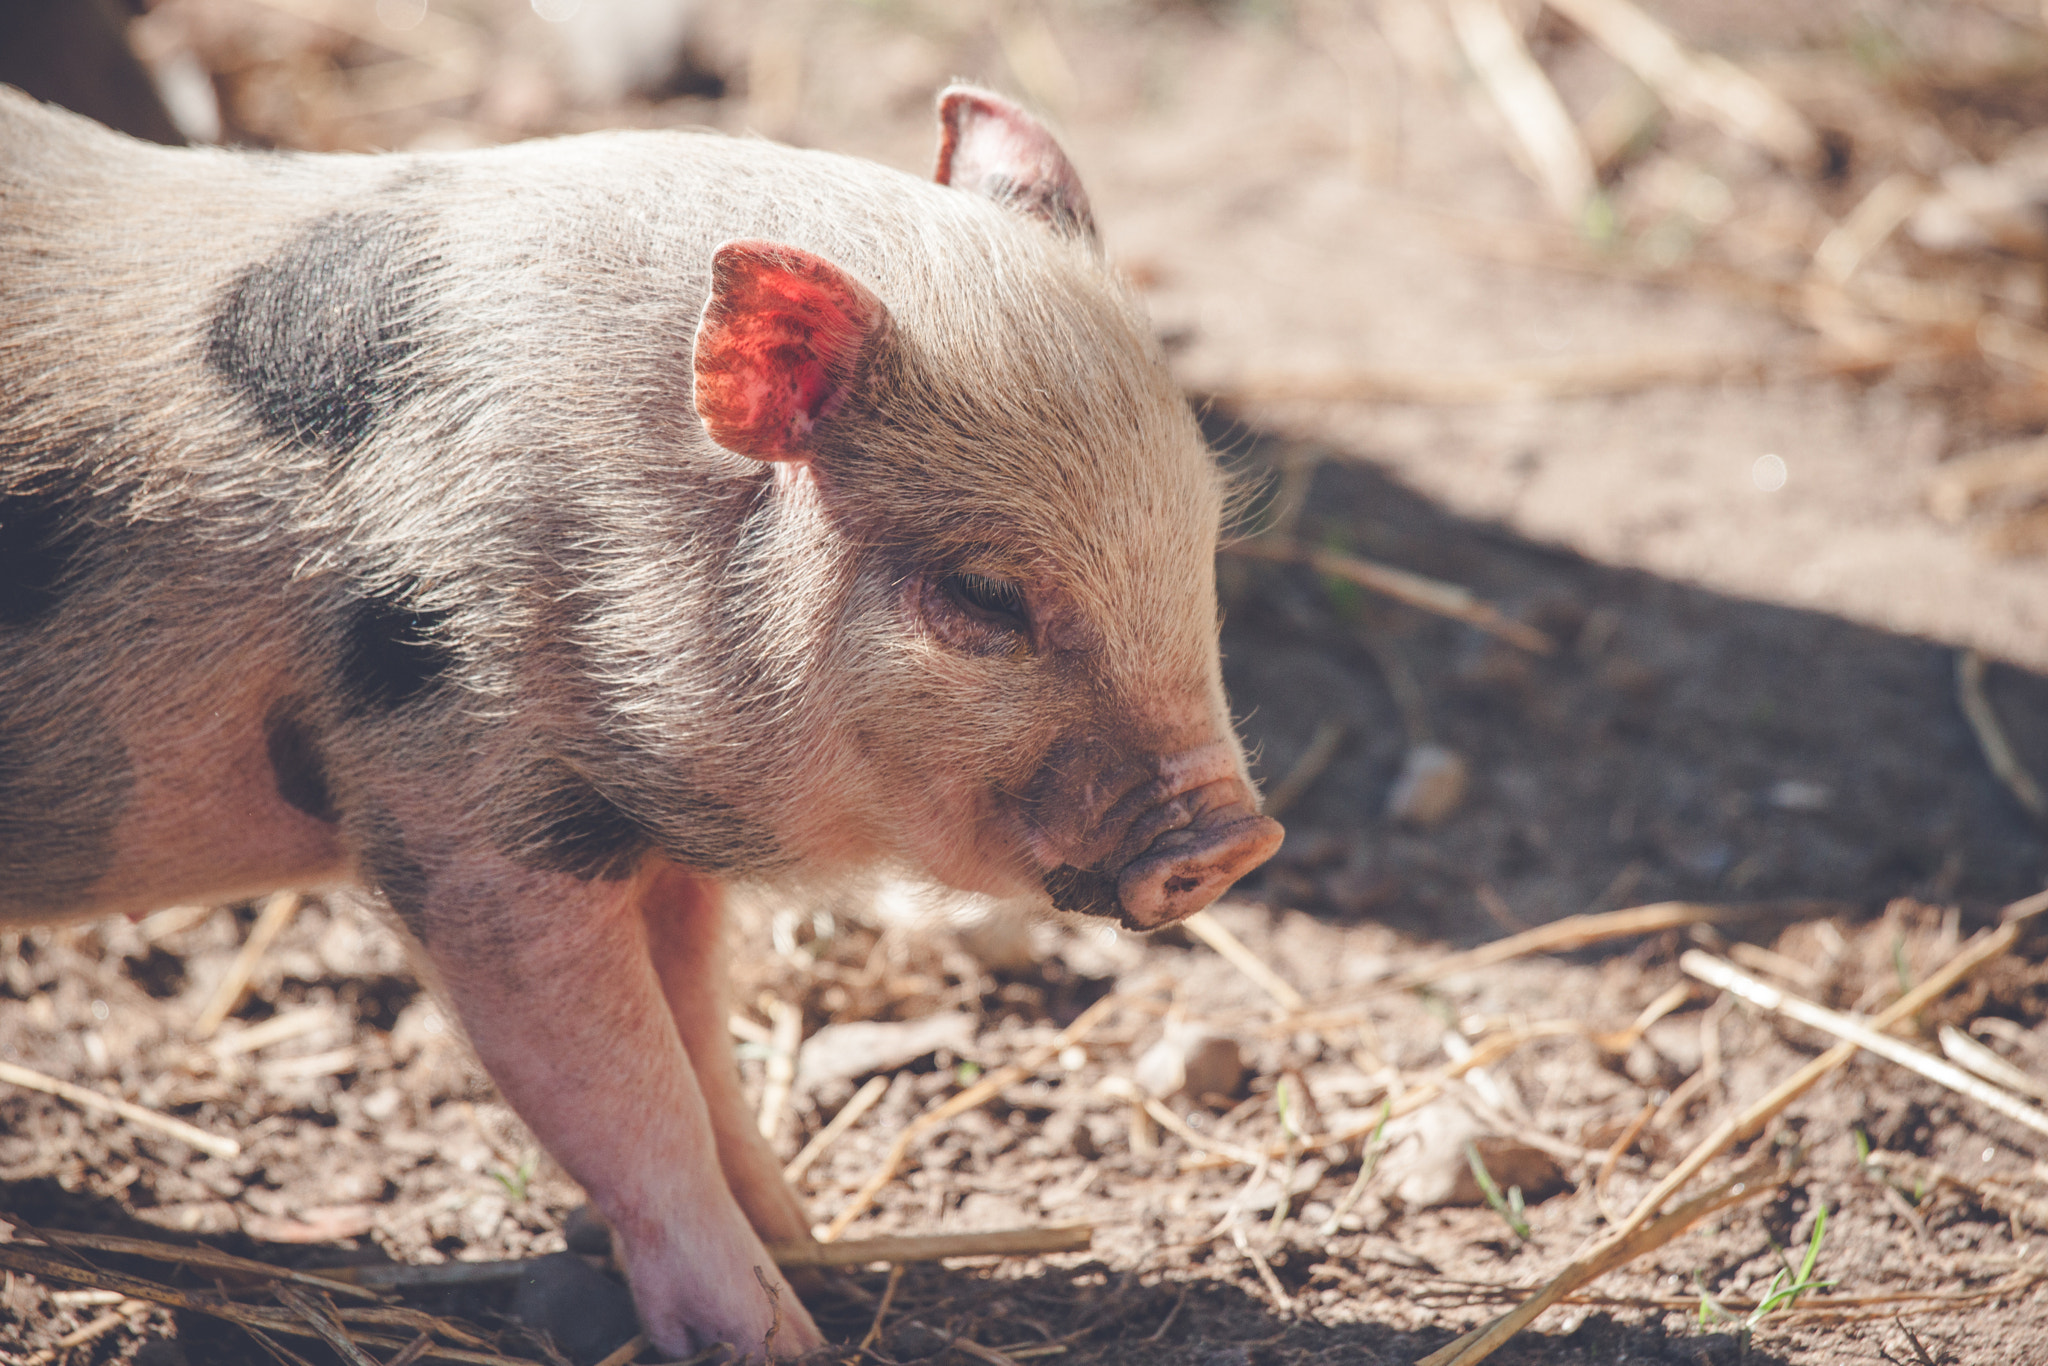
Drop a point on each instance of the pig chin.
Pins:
(1170, 844)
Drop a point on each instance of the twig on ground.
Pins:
(106, 1323)
(1965, 1051)
(1123, 1089)
(1572, 932)
(1998, 752)
(874, 1332)
(1211, 931)
(1991, 1195)
(1725, 975)
(933, 1247)
(87, 1099)
(975, 1095)
(251, 1317)
(1696, 84)
(319, 1315)
(227, 994)
(1622, 1244)
(1555, 153)
(849, 1115)
(966, 1345)
(1612, 1160)
(1322, 747)
(1416, 590)
(786, 1033)
(199, 1256)
(1618, 1248)
(1283, 1303)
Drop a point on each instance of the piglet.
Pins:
(553, 536)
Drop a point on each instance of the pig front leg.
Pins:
(554, 981)
(686, 935)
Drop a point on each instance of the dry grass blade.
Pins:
(1283, 1303)
(1696, 84)
(874, 1333)
(1719, 973)
(200, 1256)
(1998, 751)
(625, 1351)
(1548, 138)
(1972, 956)
(901, 1249)
(1416, 590)
(251, 1317)
(78, 1337)
(87, 1099)
(227, 994)
(319, 1315)
(1572, 932)
(1965, 1051)
(1618, 1248)
(1212, 932)
(849, 1115)
(979, 1093)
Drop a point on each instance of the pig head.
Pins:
(1024, 673)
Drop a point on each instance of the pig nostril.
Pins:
(1182, 884)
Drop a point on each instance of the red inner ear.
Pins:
(779, 347)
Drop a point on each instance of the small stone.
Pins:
(1190, 1060)
(1431, 786)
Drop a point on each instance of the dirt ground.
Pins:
(1752, 700)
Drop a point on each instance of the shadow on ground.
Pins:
(1678, 744)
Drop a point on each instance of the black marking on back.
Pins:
(392, 652)
(297, 764)
(1083, 890)
(65, 779)
(42, 532)
(570, 827)
(320, 337)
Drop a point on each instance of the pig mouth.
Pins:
(1175, 851)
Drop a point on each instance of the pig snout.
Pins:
(1170, 844)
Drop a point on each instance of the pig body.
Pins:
(549, 537)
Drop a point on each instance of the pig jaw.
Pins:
(1150, 841)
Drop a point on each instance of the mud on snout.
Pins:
(1170, 844)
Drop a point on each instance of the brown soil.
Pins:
(1754, 700)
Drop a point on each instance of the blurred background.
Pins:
(1706, 339)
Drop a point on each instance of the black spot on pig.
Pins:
(296, 763)
(708, 834)
(391, 871)
(392, 652)
(570, 827)
(65, 779)
(1084, 891)
(42, 532)
(320, 338)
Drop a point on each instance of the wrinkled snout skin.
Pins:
(552, 537)
(1150, 840)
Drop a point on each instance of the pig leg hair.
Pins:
(569, 1018)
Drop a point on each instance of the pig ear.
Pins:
(783, 341)
(992, 147)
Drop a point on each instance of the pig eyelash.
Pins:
(999, 601)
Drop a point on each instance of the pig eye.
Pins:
(999, 600)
